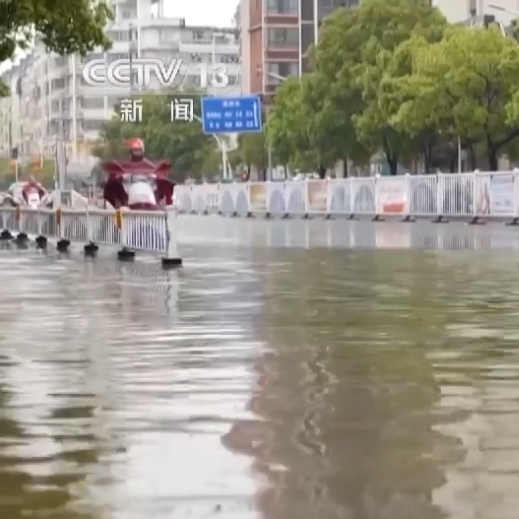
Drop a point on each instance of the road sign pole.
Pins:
(224, 160)
(222, 146)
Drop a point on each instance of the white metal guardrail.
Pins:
(476, 196)
(146, 231)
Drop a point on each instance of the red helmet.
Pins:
(135, 147)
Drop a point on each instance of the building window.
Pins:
(113, 102)
(228, 58)
(119, 35)
(93, 103)
(283, 7)
(283, 38)
(92, 126)
(114, 57)
(278, 71)
(168, 36)
(58, 84)
(127, 14)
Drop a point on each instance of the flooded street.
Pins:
(341, 370)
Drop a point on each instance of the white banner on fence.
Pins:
(391, 195)
(483, 194)
(502, 194)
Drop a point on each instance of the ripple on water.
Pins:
(114, 401)
(274, 382)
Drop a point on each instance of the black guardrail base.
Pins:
(125, 255)
(41, 242)
(171, 263)
(63, 245)
(90, 249)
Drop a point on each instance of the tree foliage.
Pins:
(74, 26)
(182, 143)
(392, 77)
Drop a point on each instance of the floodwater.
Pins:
(291, 370)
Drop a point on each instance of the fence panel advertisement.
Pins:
(495, 194)
(317, 191)
(258, 197)
(391, 195)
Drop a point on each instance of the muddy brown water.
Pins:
(291, 370)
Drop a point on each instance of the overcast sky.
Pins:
(203, 12)
(218, 13)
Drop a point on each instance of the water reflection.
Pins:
(369, 402)
(225, 233)
(355, 383)
(118, 395)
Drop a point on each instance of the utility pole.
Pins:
(133, 49)
(61, 154)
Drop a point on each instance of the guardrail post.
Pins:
(125, 254)
(306, 215)
(63, 244)
(172, 259)
(377, 217)
(408, 218)
(515, 219)
(41, 240)
(476, 220)
(249, 204)
(6, 234)
(219, 188)
(351, 195)
(439, 201)
(90, 249)
(22, 237)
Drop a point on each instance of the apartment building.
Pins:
(276, 34)
(458, 11)
(49, 97)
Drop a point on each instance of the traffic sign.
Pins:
(231, 114)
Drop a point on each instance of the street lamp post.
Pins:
(133, 46)
(513, 12)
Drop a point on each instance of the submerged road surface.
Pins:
(292, 370)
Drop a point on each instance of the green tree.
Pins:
(253, 150)
(420, 131)
(182, 143)
(467, 86)
(351, 61)
(74, 26)
(287, 123)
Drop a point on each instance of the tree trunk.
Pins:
(427, 161)
(392, 162)
(493, 159)
(452, 162)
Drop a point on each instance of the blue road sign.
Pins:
(231, 114)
